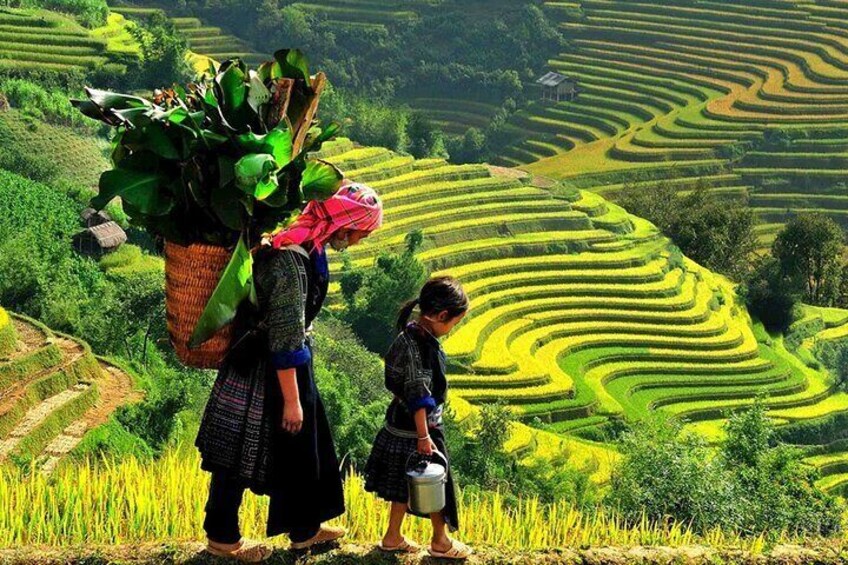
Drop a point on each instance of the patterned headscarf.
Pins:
(354, 206)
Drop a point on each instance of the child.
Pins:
(415, 373)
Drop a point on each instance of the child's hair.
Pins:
(437, 294)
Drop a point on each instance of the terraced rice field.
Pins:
(73, 156)
(203, 39)
(672, 87)
(581, 313)
(53, 390)
(43, 40)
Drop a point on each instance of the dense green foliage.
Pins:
(489, 47)
(714, 232)
(47, 104)
(162, 60)
(480, 462)
(751, 485)
(373, 295)
(769, 293)
(809, 250)
(90, 13)
(381, 123)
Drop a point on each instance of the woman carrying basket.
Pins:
(264, 426)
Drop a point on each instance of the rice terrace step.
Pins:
(53, 390)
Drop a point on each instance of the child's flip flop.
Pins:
(404, 546)
(458, 550)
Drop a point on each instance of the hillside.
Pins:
(580, 313)
(43, 40)
(53, 390)
(751, 98)
(203, 39)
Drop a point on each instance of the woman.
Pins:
(264, 426)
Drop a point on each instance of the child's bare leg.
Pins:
(440, 541)
(393, 536)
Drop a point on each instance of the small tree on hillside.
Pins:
(373, 295)
(810, 251)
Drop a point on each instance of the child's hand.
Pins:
(292, 416)
(426, 446)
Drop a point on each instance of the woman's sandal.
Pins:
(458, 550)
(325, 534)
(249, 552)
(405, 546)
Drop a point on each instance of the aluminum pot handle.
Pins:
(435, 452)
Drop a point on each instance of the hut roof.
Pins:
(552, 79)
(108, 234)
(92, 217)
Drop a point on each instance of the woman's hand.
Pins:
(426, 446)
(292, 416)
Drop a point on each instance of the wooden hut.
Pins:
(556, 87)
(99, 239)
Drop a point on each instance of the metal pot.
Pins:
(426, 481)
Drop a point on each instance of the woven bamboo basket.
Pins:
(191, 274)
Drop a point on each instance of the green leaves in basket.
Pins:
(235, 285)
(140, 189)
(293, 64)
(255, 175)
(320, 180)
(277, 142)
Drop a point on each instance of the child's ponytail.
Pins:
(405, 313)
(438, 293)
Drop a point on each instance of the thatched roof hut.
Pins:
(99, 239)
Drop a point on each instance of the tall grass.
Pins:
(130, 500)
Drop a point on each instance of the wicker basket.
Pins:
(191, 274)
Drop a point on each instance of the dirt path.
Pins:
(116, 389)
(365, 554)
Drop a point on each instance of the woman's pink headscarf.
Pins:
(354, 206)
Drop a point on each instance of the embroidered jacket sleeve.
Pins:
(282, 279)
(406, 375)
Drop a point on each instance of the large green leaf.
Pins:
(320, 180)
(277, 142)
(150, 199)
(119, 181)
(232, 93)
(293, 64)
(314, 143)
(101, 103)
(235, 284)
(258, 93)
(256, 175)
(226, 206)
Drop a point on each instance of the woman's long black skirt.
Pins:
(385, 471)
(241, 431)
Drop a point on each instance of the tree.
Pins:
(373, 295)
(714, 232)
(776, 488)
(769, 294)
(163, 50)
(809, 249)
